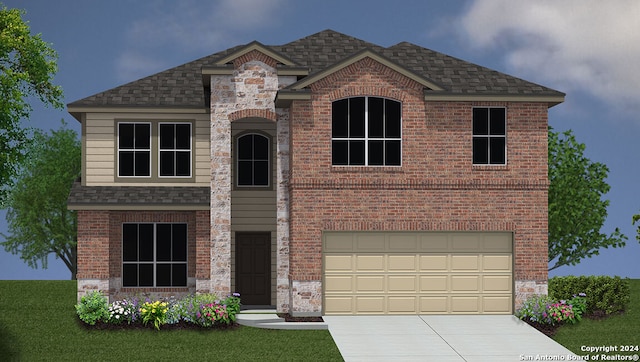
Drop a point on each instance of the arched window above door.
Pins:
(253, 160)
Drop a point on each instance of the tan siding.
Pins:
(100, 148)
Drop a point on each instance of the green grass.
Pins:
(621, 329)
(38, 322)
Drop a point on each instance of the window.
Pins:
(134, 149)
(366, 131)
(175, 149)
(154, 255)
(252, 160)
(489, 136)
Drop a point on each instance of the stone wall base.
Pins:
(527, 288)
(86, 286)
(306, 298)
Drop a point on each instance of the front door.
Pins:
(253, 267)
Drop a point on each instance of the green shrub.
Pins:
(604, 293)
(93, 307)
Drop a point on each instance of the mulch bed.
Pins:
(101, 326)
(551, 330)
(288, 318)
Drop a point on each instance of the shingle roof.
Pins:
(182, 86)
(118, 197)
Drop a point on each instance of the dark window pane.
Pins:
(125, 136)
(163, 242)
(376, 117)
(245, 172)
(163, 275)
(480, 121)
(340, 152)
(145, 242)
(130, 275)
(260, 148)
(145, 275)
(376, 153)
(179, 242)
(130, 242)
(166, 136)
(125, 163)
(183, 163)
(497, 121)
(480, 150)
(166, 163)
(142, 163)
(392, 117)
(497, 150)
(392, 153)
(356, 152)
(356, 117)
(179, 278)
(340, 119)
(183, 136)
(245, 147)
(261, 173)
(142, 135)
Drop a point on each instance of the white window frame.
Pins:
(154, 262)
(178, 150)
(134, 149)
(366, 137)
(489, 164)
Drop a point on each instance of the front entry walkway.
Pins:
(440, 338)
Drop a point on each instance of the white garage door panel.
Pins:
(417, 272)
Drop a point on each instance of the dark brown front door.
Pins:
(253, 268)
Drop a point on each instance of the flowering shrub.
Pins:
(204, 310)
(155, 312)
(545, 310)
(124, 311)
(92, 308)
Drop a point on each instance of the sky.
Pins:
(588, 49)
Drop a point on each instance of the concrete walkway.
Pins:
(440, 338)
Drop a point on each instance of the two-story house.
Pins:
(327, 175)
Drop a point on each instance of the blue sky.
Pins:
(587, 49)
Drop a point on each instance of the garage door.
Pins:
(417, 273)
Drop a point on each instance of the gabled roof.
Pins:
(444, 77)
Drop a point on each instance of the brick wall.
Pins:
(436, 188)
(100, 250)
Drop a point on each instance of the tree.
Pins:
(577, 210)
(635, 219)
(38, 220)
(27, 67)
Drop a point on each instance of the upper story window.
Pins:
(139, 143)
(175, 149)
(134, 149)
(366, 131)
(489, 136)
(252, 160)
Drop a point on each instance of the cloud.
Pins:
(587, 45)
(189, 28)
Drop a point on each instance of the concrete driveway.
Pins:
(440, 338)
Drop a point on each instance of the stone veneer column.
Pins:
(527, 288)
(220, 197)
(282, 264)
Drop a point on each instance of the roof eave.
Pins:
(550, 99)
(284, 97)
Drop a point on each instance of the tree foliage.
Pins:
(27, 67)
(39, 222)
(635, 219)
(577, 209)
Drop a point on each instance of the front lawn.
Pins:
(617, 330)
(38, 322)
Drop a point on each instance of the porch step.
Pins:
(268, 319)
